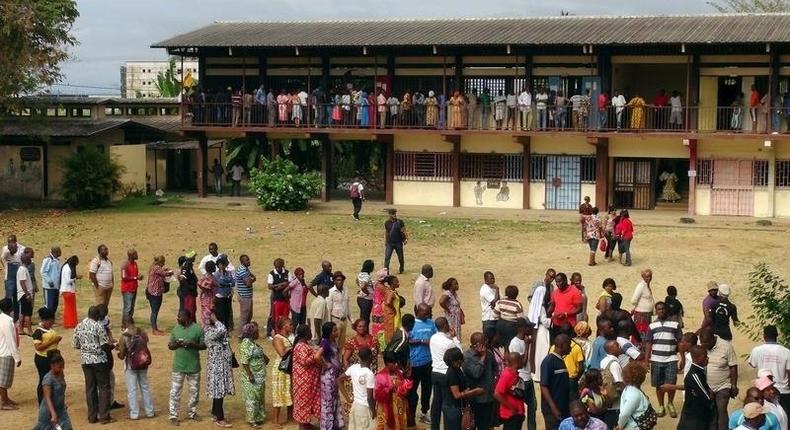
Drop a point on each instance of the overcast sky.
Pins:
(111, 32)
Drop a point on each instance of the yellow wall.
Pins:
(482, 143)
(537, 195)
(422, 193)
(744, 148)
(589, 190)
(782, 203)
(703, 201)
(559, 144)
(708, 99)
(762, 203)
(21, 179)
(489, 196)
(650, 147)
(133, 158)
(156, 168)
(55, 171)
(432, 142)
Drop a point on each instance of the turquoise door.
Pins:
(563, 182)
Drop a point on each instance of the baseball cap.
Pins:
(763, 383)
(724, 290)
(712, 285)
(753, 410)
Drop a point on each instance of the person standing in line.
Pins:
(107, 324)
(277, 282)
(92, 340)
(52, 411)
(489, 296)
(68, 289)
(525, 109)
(50, 279)
(25, 289)
(338, 305)
(9, 354)
(187, 287)
(390, 391)
(222, 300)
(245, 280)
(281, 381)
(219, 373)
(236, 174)
(12, 259)
(324, 277)
(217, 171)
(45, 339)
(130, 275)
(423, 291)
(523, 345)
(613, 385)
(155, 289)
(101, 275)
(209, 288)
(363, 381)
(365, 294)
(643, 304)
(186, 340)
(357, 193)
(511, 407)
(458, 389)
(566, 303)
(509, 310)
(450, 302)
(439, 343)
(775, 357)
(662, 354)
(253, 362)
(213, 255)
(395, 238)
(305, 378)
(722, 374)
(133, 350)
(297, 297)
(421, 364)
(318, 313)
(480, 369)
(331, 410)
(554, 384)
(698, 403)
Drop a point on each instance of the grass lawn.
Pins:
(518, 252)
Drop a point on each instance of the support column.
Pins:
(604, 66)
(389, 167)
(263, 74)
(202, 162)
(693, 115)
(459, 74)
(692, 144)
(455, 140)
(771, 178)
(526, 144)
(601, 171)
(327, 176)
(325, 72)
(773, 90)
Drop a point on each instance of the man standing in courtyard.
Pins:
(395, 238)
(236, 173)
(244, 281)
(775, 357)
(91, 338)
(722, 374)
(356, 192)
(423, 291)
(50, 277)
(100, 274)
(186, 340)
(12, 259)
(130, 276)
(9, 353)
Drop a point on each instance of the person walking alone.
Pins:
(357, 193)
(395, 238)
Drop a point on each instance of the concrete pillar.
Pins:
(202, 162)
(601, 171)
(327, 176)
(389, 168)
(771, 180)
(692, 145)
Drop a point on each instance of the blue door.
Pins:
(563, 182)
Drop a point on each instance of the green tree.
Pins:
(91, 178)
(280, 186)
(167, 82)
(751, 6)
(770, 297)
(35, 36)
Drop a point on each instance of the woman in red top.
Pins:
(129, 277)
(511, 408)
(624, 230)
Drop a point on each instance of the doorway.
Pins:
(563, 182)
(634, 183)
(181, 174)
(672, 181)
(730, 88)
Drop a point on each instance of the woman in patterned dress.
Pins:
(281, 381)
(390, 394)
(456, 110)
(307, 365)
(452, 306)
(351, 349)
(208, 287)
(253, 361)
(331, 410)
(219, 374)
(378, 325)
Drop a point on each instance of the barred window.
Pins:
(423, 166)
(537, 168)
(492, 166)
(783, 173)
(588, 170)
(760, 173)
(704, 172)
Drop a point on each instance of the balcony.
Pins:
(448, 119)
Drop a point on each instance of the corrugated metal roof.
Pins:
(82, 127)
(54, 99)
(566, 30)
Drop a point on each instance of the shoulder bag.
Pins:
(286, 363)
(649, 419)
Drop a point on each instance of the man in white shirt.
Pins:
(363, 409)
(12, 258)
(512, 116)
(236, 173)
(357, 193)
(611, 364)
(489, 295)
(26, 289)
(381, 102)
(628, 350)
(337, 303)
(676, 110)
(541, 102)
(618, 101)
(443, 340)
(101, 276)
(213, 255)
(9, 353)
(776, 358)
(525, 108)
(423, 291)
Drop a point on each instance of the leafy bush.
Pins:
(770, 297)
(91, 178)
(280, 186)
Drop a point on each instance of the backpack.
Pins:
(610, 387)
(138, 356)
(354, 191)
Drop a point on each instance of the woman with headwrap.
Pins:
(537, 315)
(253, 361)
(456, 110)
(431, 110)
(377, 312)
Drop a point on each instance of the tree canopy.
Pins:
(751, 6)
(35, 37)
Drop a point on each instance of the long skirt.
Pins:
(254, 397)
(69, 310)
(331, 410)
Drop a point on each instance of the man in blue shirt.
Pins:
(244, 280)
(50, 275)
(324, 277)
(420, 358)
(605, 332)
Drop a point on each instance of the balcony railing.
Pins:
(549, 118)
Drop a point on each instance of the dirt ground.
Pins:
(517, 251)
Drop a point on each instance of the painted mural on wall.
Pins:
(21, 177)
(502, 195)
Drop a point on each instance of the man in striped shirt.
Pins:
(662, 353)
(244, 280)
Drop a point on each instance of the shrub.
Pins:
(770, 297)
(280, 186)
(91, 178)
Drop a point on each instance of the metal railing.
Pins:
(552, 118)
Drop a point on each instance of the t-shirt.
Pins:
(519, 346)
(394, 231)
(720, 359)
(236, 172)
(129, 286)
(775, 358)
(565, 302)
(598, 353)
(318, 309)
(103, 271)
(487, 295)
(630, 352)
(22, 274)
(186, 360)
(720, 314)
(454, 377)
(509, 310)
(362, 379)
(244, 290)
(554, 376)
(420, 353)
(503, 387)
(441, 343)
(42, 335)
(664, 336)
(573, 359)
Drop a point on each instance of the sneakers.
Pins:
(660, 411)
(425, 419)
(671, 409)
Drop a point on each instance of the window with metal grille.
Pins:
(588, 170)
(783, 173)
(704, 172)
(760, 173)
(423, 166)
(537, 168)
(492, 166)
(477, 85)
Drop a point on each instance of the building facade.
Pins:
(518, 112)
(138, 78)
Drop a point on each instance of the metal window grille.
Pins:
(494, 85)
(537, 168)
(760, 173)
(704, 172)
(423, 166)
(783, 173)
(588, 170)
(492, 166)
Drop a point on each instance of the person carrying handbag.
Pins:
(455, 406)
(636, 412)
(511, 406)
